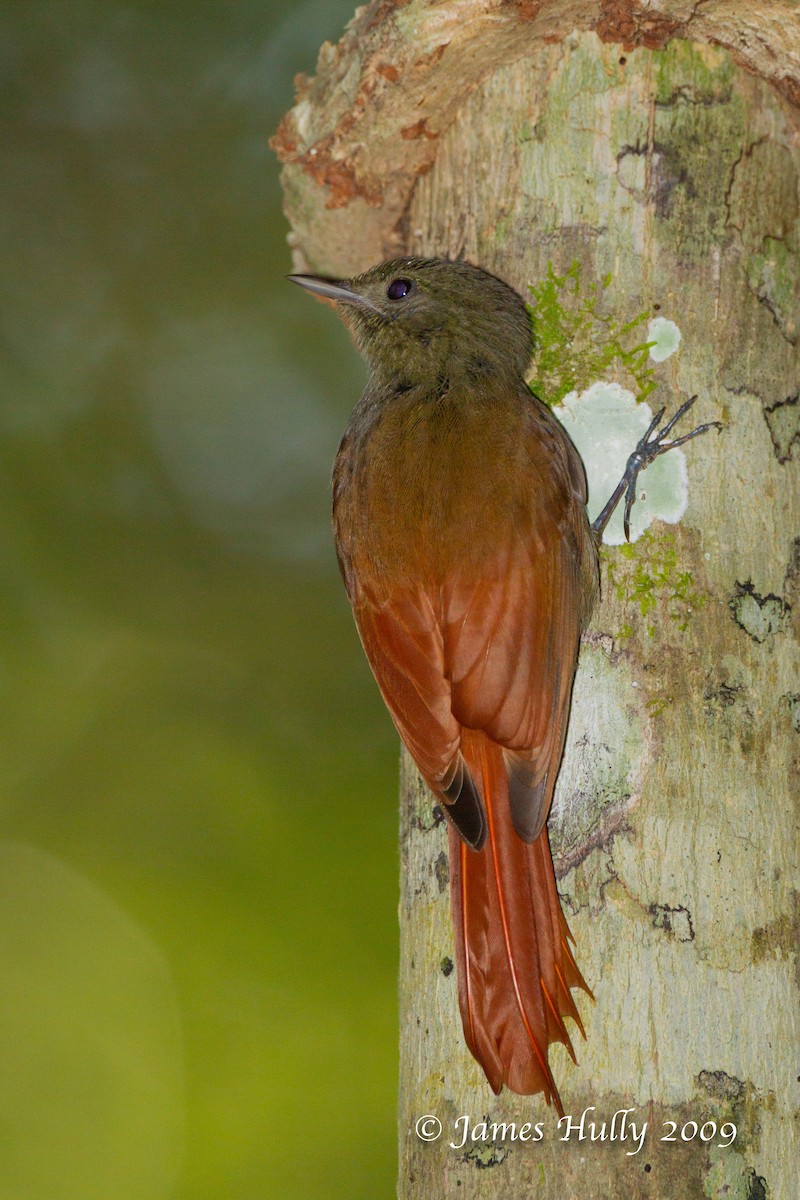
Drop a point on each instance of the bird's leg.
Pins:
(648, 448)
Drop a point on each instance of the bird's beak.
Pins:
(332, 289)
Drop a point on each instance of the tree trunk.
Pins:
(619, 137)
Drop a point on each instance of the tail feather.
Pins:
(515, 967)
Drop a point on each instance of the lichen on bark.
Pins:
(658, 143)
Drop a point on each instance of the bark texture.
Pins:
(659, 143)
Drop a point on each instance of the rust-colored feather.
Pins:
(511, 950)
(471, 576)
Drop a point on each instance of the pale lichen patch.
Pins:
(783, 422)
(759, 616)
(606, 423)
(665, 337)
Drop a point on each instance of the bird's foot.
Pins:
(648, 448)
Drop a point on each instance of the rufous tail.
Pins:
(515, 966)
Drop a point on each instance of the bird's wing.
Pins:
(510, 643)
(402, 639)
(403, 642)
(492, 649)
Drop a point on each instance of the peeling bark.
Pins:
(404, 67)
(659, 143)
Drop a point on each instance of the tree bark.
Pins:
(659, 144)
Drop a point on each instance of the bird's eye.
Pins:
(398, 288)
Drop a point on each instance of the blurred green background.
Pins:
(198, 847)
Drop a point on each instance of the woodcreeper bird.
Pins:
(459, 513)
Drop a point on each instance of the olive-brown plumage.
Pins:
(461, 530)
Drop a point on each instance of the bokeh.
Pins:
(198, 847)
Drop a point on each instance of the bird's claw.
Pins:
(648, 448)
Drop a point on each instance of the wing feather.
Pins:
(470, 582)
(476, 625)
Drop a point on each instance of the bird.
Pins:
(461, 531)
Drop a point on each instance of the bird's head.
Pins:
(418, 318)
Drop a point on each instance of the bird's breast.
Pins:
(430, 484)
